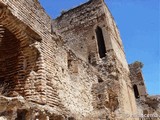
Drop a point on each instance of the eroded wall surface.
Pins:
(147, 105)
(30, 29)
(54, 70)
(78, 29)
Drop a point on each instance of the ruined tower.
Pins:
(70, 68)
(90, 32)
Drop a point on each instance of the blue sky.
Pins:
(139, 24)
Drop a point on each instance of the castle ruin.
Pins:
(70, 68)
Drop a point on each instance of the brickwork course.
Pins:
(69, 68)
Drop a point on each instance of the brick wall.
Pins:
(57, 69)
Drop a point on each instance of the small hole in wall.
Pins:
(100, 80)
(107, 118)
(99, 96)
(145, 112)
(92, 59)
(62, 70)
(69, 63)
(71, 118)
(93, 37)
(21, 115)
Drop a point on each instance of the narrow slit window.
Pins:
(136, 92)
(101, 42)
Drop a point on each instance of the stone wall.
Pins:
(55, 79)
(78, 25)
(78, 29)
(147, 105)
(137, 78)
(32, 27)
(58, 69)
(21, 60)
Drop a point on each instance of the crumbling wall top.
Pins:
(29, 12)
(75, 9)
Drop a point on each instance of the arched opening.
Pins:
(101, 42)
(136, 92)
(9, 52)
(20, 59)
